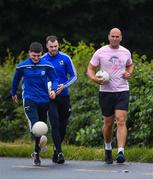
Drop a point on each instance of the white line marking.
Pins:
(148, 174)
(95, 170)
(31, 167)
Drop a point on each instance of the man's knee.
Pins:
(121, 121)
(109, 121)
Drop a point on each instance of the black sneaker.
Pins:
(60, 158)
(54, 158)
(120, 157)
(36, 160)
(108, 157)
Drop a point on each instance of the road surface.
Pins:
(22, 168)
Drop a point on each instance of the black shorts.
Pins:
(111, 101)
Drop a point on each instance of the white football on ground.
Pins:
(103, 74)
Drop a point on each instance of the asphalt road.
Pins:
(22, 168)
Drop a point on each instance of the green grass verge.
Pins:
(71, 152)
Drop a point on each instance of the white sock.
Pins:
(108, 146)
(121, 149)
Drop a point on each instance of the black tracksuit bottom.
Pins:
(59, 112)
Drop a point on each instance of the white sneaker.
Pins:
(43, 142)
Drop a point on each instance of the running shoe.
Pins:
(108, 157)
(60, 158)
(120, 157)
(36, 159)
(54, 158)
(42, 144)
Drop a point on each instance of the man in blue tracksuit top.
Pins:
(35, 73)
(59, 110)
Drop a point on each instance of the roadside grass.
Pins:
(71, 152)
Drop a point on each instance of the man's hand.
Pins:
(99, 80)
(126, 75)
(52, 94)
(15, 99)
(60, 88)
(91, 72)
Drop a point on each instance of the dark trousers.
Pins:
(59, 112)
(35, 112)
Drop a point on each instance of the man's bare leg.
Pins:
(107, 131)
(121, 117)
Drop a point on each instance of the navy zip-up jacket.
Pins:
(64, 68)
(34, 80)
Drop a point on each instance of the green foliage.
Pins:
(84, 93)
(90, 135)
(84, 126)
(140, 119)
(85, 123)
(12, 121)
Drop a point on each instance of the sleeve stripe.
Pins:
(39, 65)
(75, 75)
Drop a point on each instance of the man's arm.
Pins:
(15, 84)
(72, 76)
(129, 68)
(71, 71)
(128, 72)
(91, 72)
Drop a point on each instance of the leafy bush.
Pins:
(140, 118)
(90, 135)
(84, 127)
(86, 110)
(84, 93)
(12, 121)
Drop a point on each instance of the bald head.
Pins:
(114, 37)
(115, 30)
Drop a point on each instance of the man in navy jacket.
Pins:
(35, 73)
(59, 110)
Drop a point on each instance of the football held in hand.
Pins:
(104, 75)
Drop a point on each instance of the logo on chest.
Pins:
(42, 73)
(114, 59)
(61, 62)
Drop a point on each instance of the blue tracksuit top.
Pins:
(64, 68)
(34, 80)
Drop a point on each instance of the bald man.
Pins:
(113, 95)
